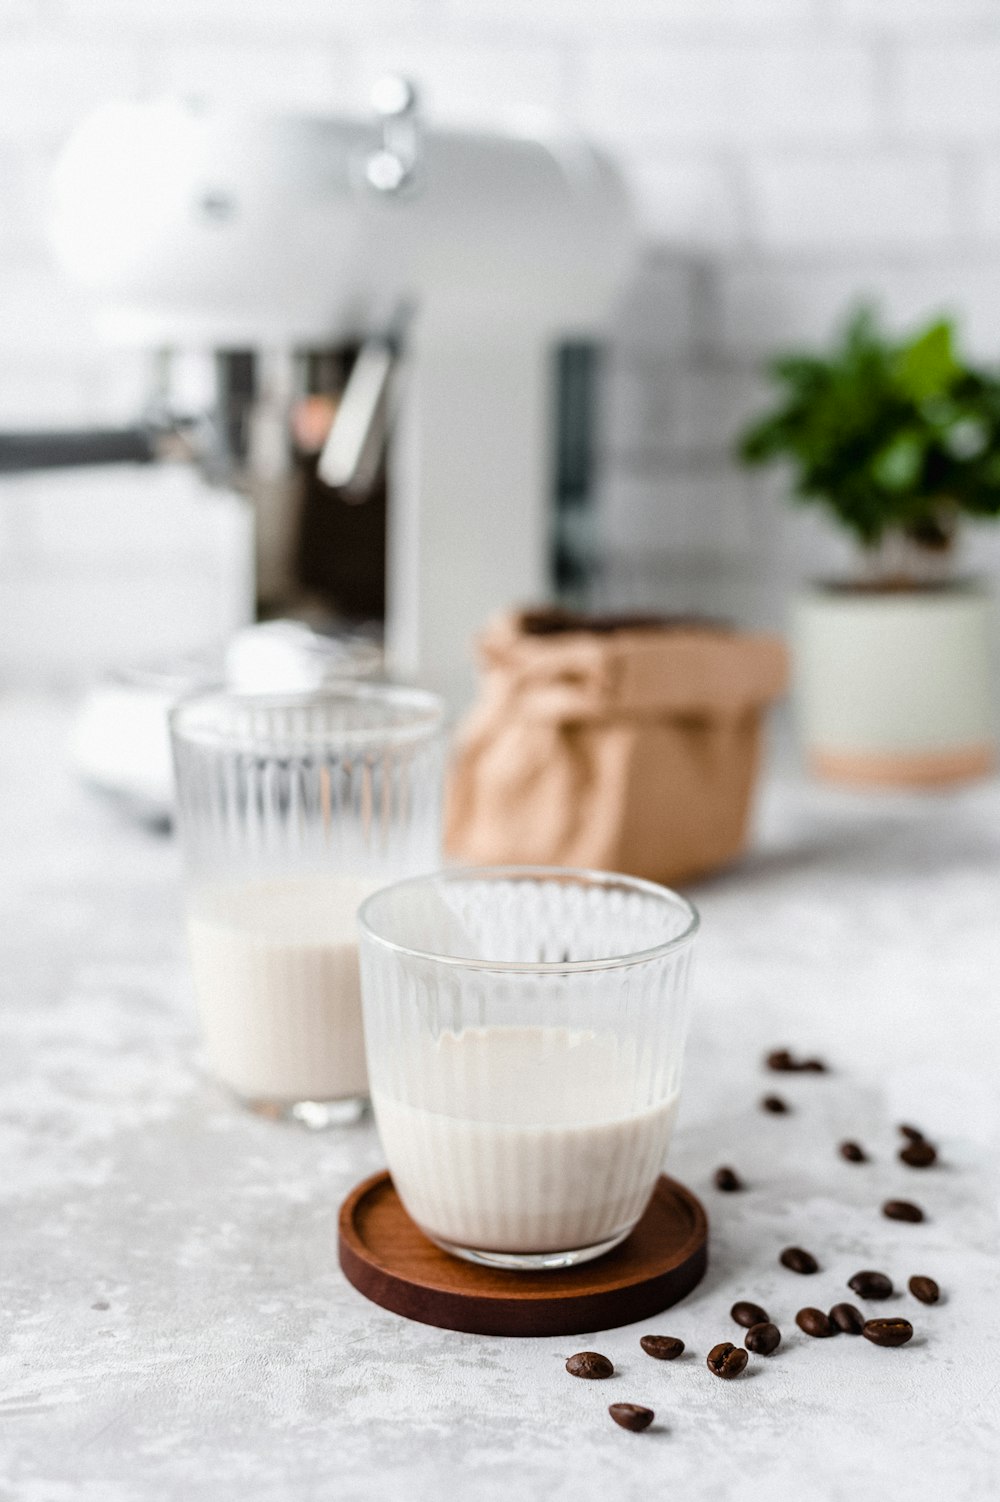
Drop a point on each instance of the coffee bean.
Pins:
(853, 1152)
(775, 1105)
(589, 1364)
(727, 1360)
(924, 1289)
(798, 1261)
(848, 1320)
(727, 1180)
(783, 1061)
(814, 1322)
(888, 1332)
(661, 1347)
(902, 1210)
(871, 1285)
(762, 1339)
(632, 1416)
(918, 1154)
(747, 1314)
(912, 1132)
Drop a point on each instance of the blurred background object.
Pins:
(787, 158)
(618, 743)
(120, 742)
(355, 323)
(899, 439)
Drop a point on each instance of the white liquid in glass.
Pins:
(276, 976)
(525, 1139)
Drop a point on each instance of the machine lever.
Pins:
(356, 442)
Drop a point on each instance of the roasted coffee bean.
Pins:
(632, 1416)
(589, 1364)
(727, 1360)
(888, 1332)
(814, 1322)
(728, 1180)
(848, 1320)
(798, 1261)
(871, 1285)
(661, 1347)
(747, 1314)
(775, 1105)
(762, 1339)
(918, 1154)
(914, 1133)
(924, 1289)
(853, 1152)
(783, 1061)
(902, 1210)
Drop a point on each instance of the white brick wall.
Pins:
(731, 92)
(824, 201)
(788, 157)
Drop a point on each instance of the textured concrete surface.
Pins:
(173, 1323)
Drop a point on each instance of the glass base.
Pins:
(531, 1262)
(314, 1115)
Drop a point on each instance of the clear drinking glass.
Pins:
(292, 809)
(525, 1033)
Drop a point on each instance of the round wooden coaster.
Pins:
(392, 1263)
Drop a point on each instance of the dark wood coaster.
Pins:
(392, 1263)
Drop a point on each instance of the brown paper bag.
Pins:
(627, 745)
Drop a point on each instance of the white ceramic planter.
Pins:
(895, 688)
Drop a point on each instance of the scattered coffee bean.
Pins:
(888, 1332)
(727, 1360)
(589, 1364)
(871, 1285)
(775, 1105)
(924, 1289)
(783, 1061)
(912, 1132)
(902, 1210)
(632, 1416)
(814, 1322)
(661, 1347)
(728, 1180)
(918, 1154)
(853, 1152)
(762, 1339)
(848, 1320)
(798, 1261)
(747, 1314)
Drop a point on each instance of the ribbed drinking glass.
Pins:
(292, 810)
(525, 1032)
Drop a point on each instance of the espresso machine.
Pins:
(382, 331)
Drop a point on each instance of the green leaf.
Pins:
(966, 438)
(879, 430)
(926, 367)
(898, 464)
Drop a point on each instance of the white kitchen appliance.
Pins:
(242, 247)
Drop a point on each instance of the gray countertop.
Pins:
(173, 1323)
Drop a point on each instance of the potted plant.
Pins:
(899, 439)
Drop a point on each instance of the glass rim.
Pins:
(428, 715)
(579, 874)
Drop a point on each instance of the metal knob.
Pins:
(393, 167)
